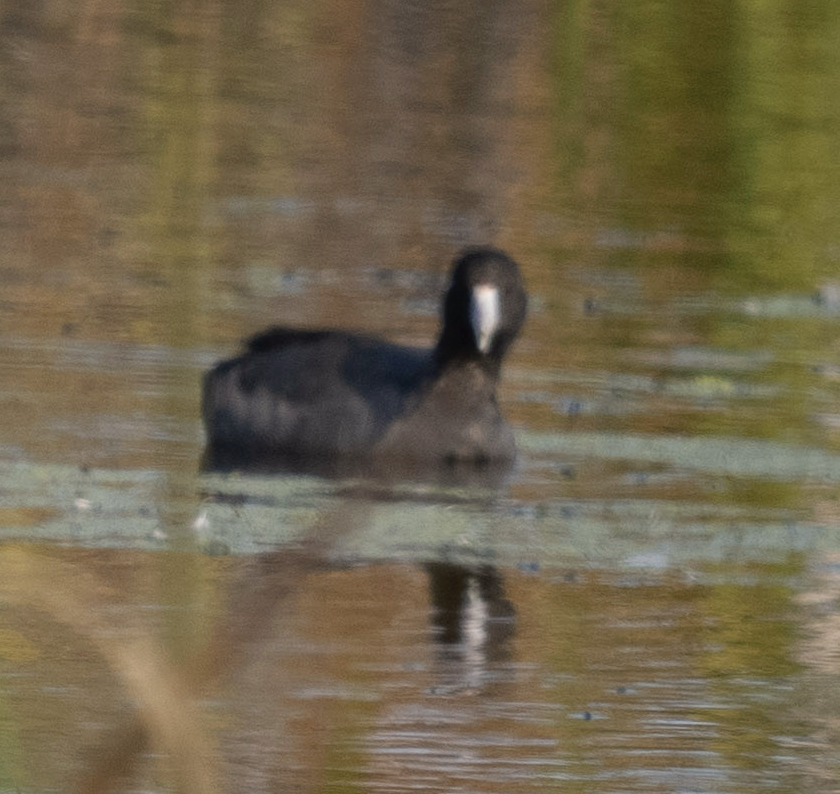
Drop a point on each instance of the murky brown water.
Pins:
(291, 676)
(648, 603)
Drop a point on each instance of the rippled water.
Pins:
(649, 602)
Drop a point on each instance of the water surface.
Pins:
(647, 603)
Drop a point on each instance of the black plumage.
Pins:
(314, 395)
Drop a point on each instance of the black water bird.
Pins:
(330, 396)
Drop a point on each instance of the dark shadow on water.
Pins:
(384, 472)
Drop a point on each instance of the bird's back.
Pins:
(310, 392)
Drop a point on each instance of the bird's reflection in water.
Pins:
(470, 610)
(380, 473)
(472, 618)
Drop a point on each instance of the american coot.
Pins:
(308, 395)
